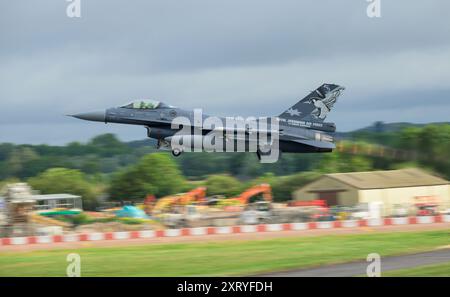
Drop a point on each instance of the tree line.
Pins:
(107, 167)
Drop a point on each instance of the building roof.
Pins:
(411, 177)
(53, 197)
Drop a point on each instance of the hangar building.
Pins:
(391, 188)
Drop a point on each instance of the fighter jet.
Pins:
(299, 129)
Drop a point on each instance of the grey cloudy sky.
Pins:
(233, 57)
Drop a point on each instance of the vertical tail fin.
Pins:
(316, 106)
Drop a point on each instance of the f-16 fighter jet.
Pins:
(299, 129)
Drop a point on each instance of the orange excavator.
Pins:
(262, 189)
(195, 195)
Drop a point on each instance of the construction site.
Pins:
(331, 198)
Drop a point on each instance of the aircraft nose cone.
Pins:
(97, 116)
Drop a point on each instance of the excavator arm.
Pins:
(263, 189)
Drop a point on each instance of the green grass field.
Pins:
(221, 258)
(428, 270)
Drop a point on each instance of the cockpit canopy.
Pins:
(143, 104)
(146, 104)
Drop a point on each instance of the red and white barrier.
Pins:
(203, 231)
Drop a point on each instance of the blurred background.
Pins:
(62, 176)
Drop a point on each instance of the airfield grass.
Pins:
(426, 270)
(221, 258)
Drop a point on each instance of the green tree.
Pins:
(338, 162)
(283, 187)
(431, 145)
(62, 180)
(223, 185)
(108, 145)
(155, 174)
(17, 160)
(5, 150)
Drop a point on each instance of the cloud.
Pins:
(228, 57)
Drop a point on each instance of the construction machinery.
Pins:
(259, 212)
(180, 211)
(166, 203)
(301, 203)
(426, 205)
(253, 206)
(301, 211)
(254, 194)
(196, 195)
